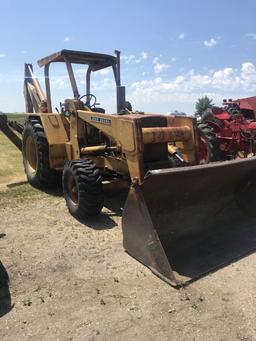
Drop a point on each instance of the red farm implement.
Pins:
(228, 132)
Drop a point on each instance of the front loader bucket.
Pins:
(185, 222)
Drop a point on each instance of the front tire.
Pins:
(82, 188)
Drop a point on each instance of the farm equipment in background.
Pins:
(176, 220)
(227, 133)
(247, 106)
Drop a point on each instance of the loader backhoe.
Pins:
(180, 222)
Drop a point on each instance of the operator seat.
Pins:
(100, 110)
(87, 108)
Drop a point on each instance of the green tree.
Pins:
(202, 104)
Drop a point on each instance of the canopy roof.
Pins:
(97, 61)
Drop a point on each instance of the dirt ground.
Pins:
(73, 281)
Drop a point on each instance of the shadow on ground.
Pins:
(114, 202)
(5, 296)
(55, 191)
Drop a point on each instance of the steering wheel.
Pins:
(89, 98)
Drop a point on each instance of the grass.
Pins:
(11, 167)
(20, 194)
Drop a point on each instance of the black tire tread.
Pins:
(207, 132)
(45, 177)
(89, 185)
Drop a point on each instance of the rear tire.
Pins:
(35, 152)
(82, 188)
(208, 144)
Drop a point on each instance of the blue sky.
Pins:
(172, 51)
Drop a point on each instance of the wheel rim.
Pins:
(31, 154)
(72, 188)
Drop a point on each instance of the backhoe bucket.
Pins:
(185, 222)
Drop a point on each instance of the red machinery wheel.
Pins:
(208, 144)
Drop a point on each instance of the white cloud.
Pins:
(104, 85)
(2, 55)
(144, 55)
(128, 59)
(226, 82)
(173, 59)
(210, 43)
(62, 82)
(134, 59)
(248, 68)
(251, 35)
(97, 84)
(182, 36)
(159, 67)
(59, 82)
(66, 39)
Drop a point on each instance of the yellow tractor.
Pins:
(174, 218)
